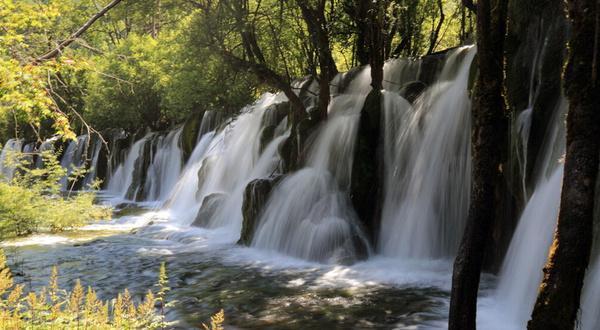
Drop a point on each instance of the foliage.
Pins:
(153, 63)
(31, 202)
(53, 307)
(26, 86)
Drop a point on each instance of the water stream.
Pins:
(310, 263)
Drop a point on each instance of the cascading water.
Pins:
(7, 157)
(74, 158)
(165, 167)
(521, 271)
(428, 166)
(91, 175)
(46, 146)
(222, 164)
(309, 214)
(122, 178)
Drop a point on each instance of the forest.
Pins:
(285, 164)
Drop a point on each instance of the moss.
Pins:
(256, 196)
(189, 136)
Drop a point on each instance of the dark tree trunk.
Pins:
(367, 168)
(489, 131)
(317, 24)
(560, 292)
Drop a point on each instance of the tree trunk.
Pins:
(560, 292)
(489, 131)
(319, 35)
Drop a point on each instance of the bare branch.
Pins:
(65, 43)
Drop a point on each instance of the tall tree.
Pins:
(488, 134)
(314, 16)
(560, 292)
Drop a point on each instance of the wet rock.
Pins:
(365, 188)
(189, 135)
(412, 90)
(273, 116)
(256, 196)
(210, 205)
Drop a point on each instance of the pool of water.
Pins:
(256, 289)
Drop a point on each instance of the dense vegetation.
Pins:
(154, 63)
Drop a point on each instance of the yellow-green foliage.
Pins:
(31, 202)
(55, 308)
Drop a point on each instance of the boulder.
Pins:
(256, 196)
(210, 205)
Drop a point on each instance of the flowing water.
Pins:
(310, 264)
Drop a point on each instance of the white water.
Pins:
(224, 163)
(93, 166)
(165, 166)
(309, 214)
(8, 156)
(73, 159)
(428, 166)
(522, 270)
(122, 177)
(46, 146)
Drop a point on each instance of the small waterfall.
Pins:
(93, 166)
(7, 157)
(309, 214)
(74, 158)
(165, 166)
(428, 166)
(521, 272)
(46, 146)
(28, 153)
(221, 166)
(122, 178)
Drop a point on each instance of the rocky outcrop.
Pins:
(412, 90)
(256, 196)
(189, 135)
(367, 168)
(210, 206)
(273, 116)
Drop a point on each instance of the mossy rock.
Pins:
(189, 135)
(412, 90)
(208, 209)
(256, 196)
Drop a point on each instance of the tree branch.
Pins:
(470, 5)
(65, 43)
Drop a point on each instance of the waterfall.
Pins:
(93, 166)
(165, 166)
(74, 157)
(221, 166)
(521, 272)
(309, 214)
(428, 166)
(46, 146)
(8, 157)
(122, 178)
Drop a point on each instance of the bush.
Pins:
(31, 202)
(53, 307)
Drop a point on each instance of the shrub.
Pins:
(31, 202)
(53, 307)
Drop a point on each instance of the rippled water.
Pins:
(257, 289)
